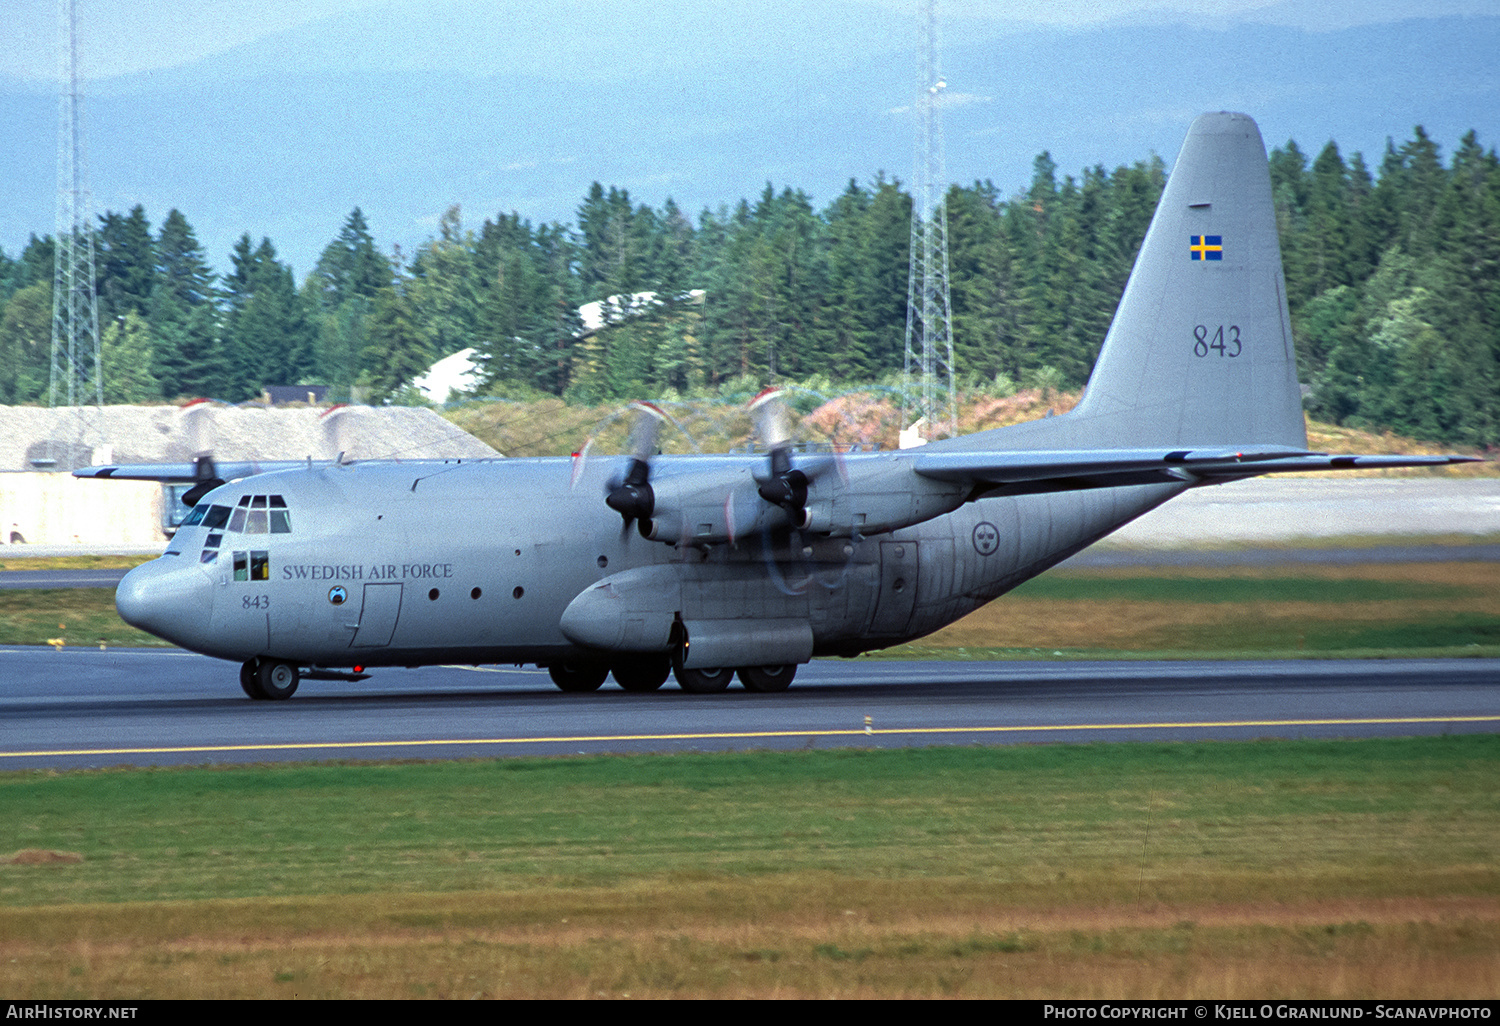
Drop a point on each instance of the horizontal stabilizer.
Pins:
(1323, 461)
(1010, 467)
(1017, 473)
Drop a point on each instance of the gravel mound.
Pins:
(65, 438)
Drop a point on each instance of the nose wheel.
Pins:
(269, 679)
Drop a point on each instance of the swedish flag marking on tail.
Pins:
(1206, 247)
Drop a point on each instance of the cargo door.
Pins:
(899, 567)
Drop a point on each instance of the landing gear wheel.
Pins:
(642, 673)
(249, 683)
(766, 679)
(706, 681)
(277, 680)
(578, 677)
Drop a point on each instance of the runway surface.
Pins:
(26, 580)
(86, 707)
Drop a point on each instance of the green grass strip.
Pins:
(1371, 818)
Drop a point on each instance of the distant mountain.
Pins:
(406, 110)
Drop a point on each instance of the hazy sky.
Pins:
(124, 36)
(404, 107)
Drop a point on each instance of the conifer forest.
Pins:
(1393, 279)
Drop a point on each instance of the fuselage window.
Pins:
(252, 566)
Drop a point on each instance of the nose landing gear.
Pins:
(269, 679)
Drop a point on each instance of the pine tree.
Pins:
(847, 333)
(26, 344)
(339, 294)
(980, 278)
(445, 291)
(183, 315)
(269, 334)
(397, 351)
(126, 352)
(125, 263)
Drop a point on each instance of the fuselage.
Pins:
(478, 562)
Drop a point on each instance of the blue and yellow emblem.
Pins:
(1206, 247)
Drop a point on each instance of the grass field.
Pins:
(1448, 609)
(1266, 869)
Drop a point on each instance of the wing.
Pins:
(184, 473)
(203, 472)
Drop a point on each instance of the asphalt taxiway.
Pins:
(87, 707)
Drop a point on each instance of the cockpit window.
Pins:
(216, 517)
(256, 523)
(196, 516)
(253, 514)
(281, 519)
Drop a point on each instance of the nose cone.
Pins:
(169, 598)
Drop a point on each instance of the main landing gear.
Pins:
(269, 679)
(762, 679)
(645, 673)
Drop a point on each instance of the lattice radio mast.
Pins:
(76, 360)
(929, 309)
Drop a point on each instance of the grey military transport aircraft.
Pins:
(708, 567)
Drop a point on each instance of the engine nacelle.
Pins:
(868, 494)
(690, 511)
(881, 494)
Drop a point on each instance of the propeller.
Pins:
(632, 496)
(207, 476)
(786, 486)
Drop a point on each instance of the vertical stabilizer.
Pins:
(1200, 350)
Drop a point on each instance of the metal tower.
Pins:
(929, 310)
(75, 306)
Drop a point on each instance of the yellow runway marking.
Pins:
(746, 735)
